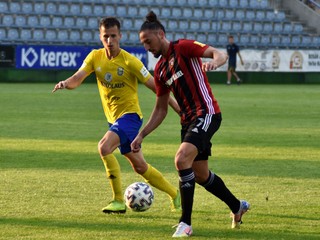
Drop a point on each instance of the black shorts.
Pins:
(199, 133)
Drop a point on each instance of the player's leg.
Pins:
(107, 145)
(229, 75)
(236, 75)
(154, 177)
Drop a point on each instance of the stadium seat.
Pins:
(203, 3)
(86, 36)
(315, 41)
(7, 20)
(93, 22)
(51, 8)
(127, 23)
(260, 15)
(267, 27)
(195, 26)
(33, 21)
(306, 41)
(137, 23)
(208, 13)
(27, 7)
(96, 36)
(74, 36)
(198, 13)
(3, 33)
(250, 15)
(187, 12)
(247, 27)
(165, 12)
(20, 21)
(173, 25)
(13, 34)
(132, 11)
(98, 10)
(3, 7)
(178, 35)
(201, 37)
(243, 3)
(254, 40)
(277, 27)
(192, 3)
(240, 14)
(81, 22)
(205, 26)
(134, 37)
(295, 40)
(219, 14)
(63, 8)
(111, 10)
(176, 12)
(124, 37)
(222, 39)
(287, 28)
(50, 35)
(57, 21)
(191, 36)
(214, 26)
(244, 39)
(233, 3)
(183, 25)
(229, 14)
(212, 39)
(143, 11)
(45, 21)
(265, 40)
(14, 7)
(297, 28)
(212, 3)
(38, 34)
(223, 3)
(226, 26)
(69, 22)
(169, 36)
(257, 27)
(75, 9)
(86, 10)
(280, 16)
(25, 35)
(236, 27)
(285, 40)
(275, 40)
(62, 35)
(270, 16)
(121, 11)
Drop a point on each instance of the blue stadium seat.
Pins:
(233, 3)
(183, 25)
(173, 25)
(178, 35)
(298, 28)
(124, 37)
(165, 12)
(127, 23)
(86, 36)
(192, 3)
(277, 27)
(287, 28)
(260, 15)
(26, 35)
(220, 14)
(212, 39)
(204, 3)
(306, 41)
(240, 14)
(98, 10)
(257, 27)
(254, 40)
(13, 34)
(214, 26)
(143, 11)
(226, 26)
(295, 40)
(169, 36)
(280, 16)
(229, 14)
(244, 39)
(81, 22)
(3, 7)
(270, 16)
(86, 10)
(69, 22)
(134, 37)
(205, 26)
(20, 21)
(93, 22)
(275, 41)
(267, 27)
(3, 33)
(176, 12)
(212, 3)
(32, 20)
(222, 39)
(315, 41)
(195, 26)
(132, 11)
(96, 36)
(75, 9)
(74, 35)
(265, 40)
(111, 10)
(63, 8)
(121, 11)
(198, 13)
(38, 34)
(45, 21)
(285, 40)
(57, 21)
(27, 7)
(51, 8)
(201, 37)
(62, 35)
(191, 36)
(14, 7)
(8, 20)
(208, 13)
(137, 23)
(223, 3)
(187, 12)
(243, 3)
(236, 27)
(247, 27)
(50, 35)
(250, 15)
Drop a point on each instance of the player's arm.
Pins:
(172, 102)
(219, 58)
(72, 82)
(158, 114)
(240, 57)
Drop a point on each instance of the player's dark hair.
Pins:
(152, 23)
(230, 36)
(109, 22)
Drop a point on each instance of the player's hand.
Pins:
(209, 66)
(136, 144)
(60, 85)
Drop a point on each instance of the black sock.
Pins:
(216, 186)
(186, 185)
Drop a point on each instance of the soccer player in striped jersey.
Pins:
(117, 74)
(181, 71)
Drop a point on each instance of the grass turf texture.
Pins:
(53, 183)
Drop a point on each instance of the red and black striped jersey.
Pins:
(181, 72)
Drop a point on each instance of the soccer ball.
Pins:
(138, 196)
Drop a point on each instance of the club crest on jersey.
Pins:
(120, 71)
(171, 62)
(108, 77)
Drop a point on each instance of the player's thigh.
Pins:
(109, 142)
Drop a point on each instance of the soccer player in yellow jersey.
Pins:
(117, 74)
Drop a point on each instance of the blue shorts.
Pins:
(127, 128)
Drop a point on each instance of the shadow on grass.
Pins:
(88, 161)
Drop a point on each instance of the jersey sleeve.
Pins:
(192, 48)
(87, 64)
(139, 70)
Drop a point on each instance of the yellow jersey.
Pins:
(117, 80)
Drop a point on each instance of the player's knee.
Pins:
(140, 168)
(181, 160)
(103, 149)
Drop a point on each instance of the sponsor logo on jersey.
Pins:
(174, 77)
(120, 71)
(108, 77)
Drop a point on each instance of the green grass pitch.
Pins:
(53, 183)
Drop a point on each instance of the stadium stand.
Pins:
(254, 23)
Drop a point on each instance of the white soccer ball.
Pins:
(139, 196)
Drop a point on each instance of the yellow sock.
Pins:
(113, 174)
(156, 179)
